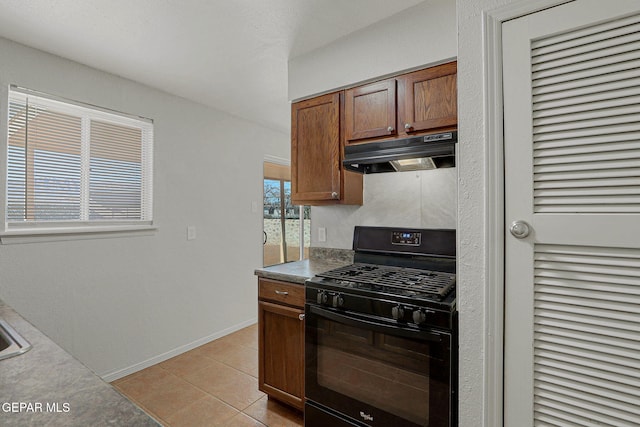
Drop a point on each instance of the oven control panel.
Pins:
(406, 238)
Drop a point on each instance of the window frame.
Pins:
(18, 232)
(275, 169)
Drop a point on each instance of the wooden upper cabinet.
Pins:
(429, 99)
(370, 110)
(315, 149)
(409, 104)
(317, 175)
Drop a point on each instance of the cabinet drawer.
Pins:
(283, 292)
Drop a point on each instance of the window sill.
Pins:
(38, 235)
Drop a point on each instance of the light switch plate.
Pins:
(322, 234)
(191, 232)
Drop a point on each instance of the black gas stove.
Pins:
(381, 333)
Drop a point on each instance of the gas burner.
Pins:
(404, 281)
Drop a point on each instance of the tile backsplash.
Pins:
(424, 199)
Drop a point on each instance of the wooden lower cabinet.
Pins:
(281, 341)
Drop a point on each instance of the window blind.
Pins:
(75, 165)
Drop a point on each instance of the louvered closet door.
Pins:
(572, 173)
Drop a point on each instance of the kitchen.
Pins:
(159, 294)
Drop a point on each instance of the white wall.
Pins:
(118, 303)
(421, 35)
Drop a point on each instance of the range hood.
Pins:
(408, 154)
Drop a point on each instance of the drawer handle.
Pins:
(301, 316)
(281, 292)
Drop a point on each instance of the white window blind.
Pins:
(72, 165)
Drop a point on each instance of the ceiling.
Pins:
(228, 54)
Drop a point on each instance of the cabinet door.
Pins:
(429, 98)
(315, 149)
(281, 352)
(370, 111)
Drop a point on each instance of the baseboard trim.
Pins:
(120, 373)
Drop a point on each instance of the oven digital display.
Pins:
(406, 238)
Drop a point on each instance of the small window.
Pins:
(75, 167)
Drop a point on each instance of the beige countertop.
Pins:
(46, 386)
(321, 259)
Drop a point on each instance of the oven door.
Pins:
(365, 372)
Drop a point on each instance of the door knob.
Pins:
(519, 229)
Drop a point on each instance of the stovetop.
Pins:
(420, 298)
(393, 280)
(414, 283)
(404, 276)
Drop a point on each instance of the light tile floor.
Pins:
(213, 385)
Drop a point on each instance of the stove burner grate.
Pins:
(412, 279)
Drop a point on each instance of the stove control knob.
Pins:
(397, 312)
(337, 301)
(321, 298)
(419, 317)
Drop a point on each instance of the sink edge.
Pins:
(17, 344)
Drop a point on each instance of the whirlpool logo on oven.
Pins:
(366, 417)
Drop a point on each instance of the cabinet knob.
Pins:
(334, 195)
(301, 316)
(407, 126)
(390, 129)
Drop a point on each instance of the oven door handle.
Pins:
(377, 327)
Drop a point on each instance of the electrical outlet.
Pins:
(322, 234)
(191, 232)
